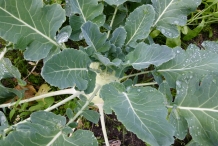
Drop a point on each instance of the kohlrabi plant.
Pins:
(115, 36)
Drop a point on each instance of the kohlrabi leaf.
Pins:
(118, 37)
(81, 11)
(170, 13)
(179, 123)
(31, 24)
(7, 70)
(210, 46)
(67, 69)
(115, 2)
(94, 38)
(9, 93)
(141, 110)
(64, 34)
(145, 55)
(193, 61)
(91, 115)
(138, 24)
(46, 128)
(106, 61)
(197, 102)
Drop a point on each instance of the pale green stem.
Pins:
(84, 106)
(3, 53)
(61, 92)
(112, 21)
(100, 107)
(63, 101)
(132, 75)
(145, 84)
(55, 106)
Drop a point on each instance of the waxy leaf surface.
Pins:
(170, 13)
(138, 24)
(145, 55)
(47, 128)
(94, 38)
(81, 11)
(141, 110)
(68, 69)
(193, 61)
(29, 24)
(197, 102)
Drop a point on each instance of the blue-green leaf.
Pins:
(138, 24)
(31, 25)
(94, 38)
(67, 69)
(118, 37)
(145, 55)
(141, 110)
(170, 13)
(46, 128)
(197, 101)
(193, 61)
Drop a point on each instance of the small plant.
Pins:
(98, 72)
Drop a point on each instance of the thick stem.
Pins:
(145, 84)
(100, 107)
(136, 74)
(61, 92)
(112, 21)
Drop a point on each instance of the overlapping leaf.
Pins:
(198, 105)
(29, 23)
(94, 38)
(118, 37)
(68, 69)
(48, 129)
(138, 23)
(141, 110)
(145, 55)
(193, 61)
(81, 11)
(170, 13)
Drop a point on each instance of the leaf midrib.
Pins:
(163, 13)
(29, 26)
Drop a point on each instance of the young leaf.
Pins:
(141, 110)
(46, 128)
(29, 23)
(138, 23)
(170, 13)
(145, 55)
(118, 37)
(67, 69)
(193, 61)
(94, 38)
(198, 105)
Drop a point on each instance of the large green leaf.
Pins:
(193, 61)
(170, 13)
(29, 24)
(94, 38)
(46, 128)
(145, 55)
(68, 69)
(197, 103)
(138, 23)
(81, 11)
(141, 110)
